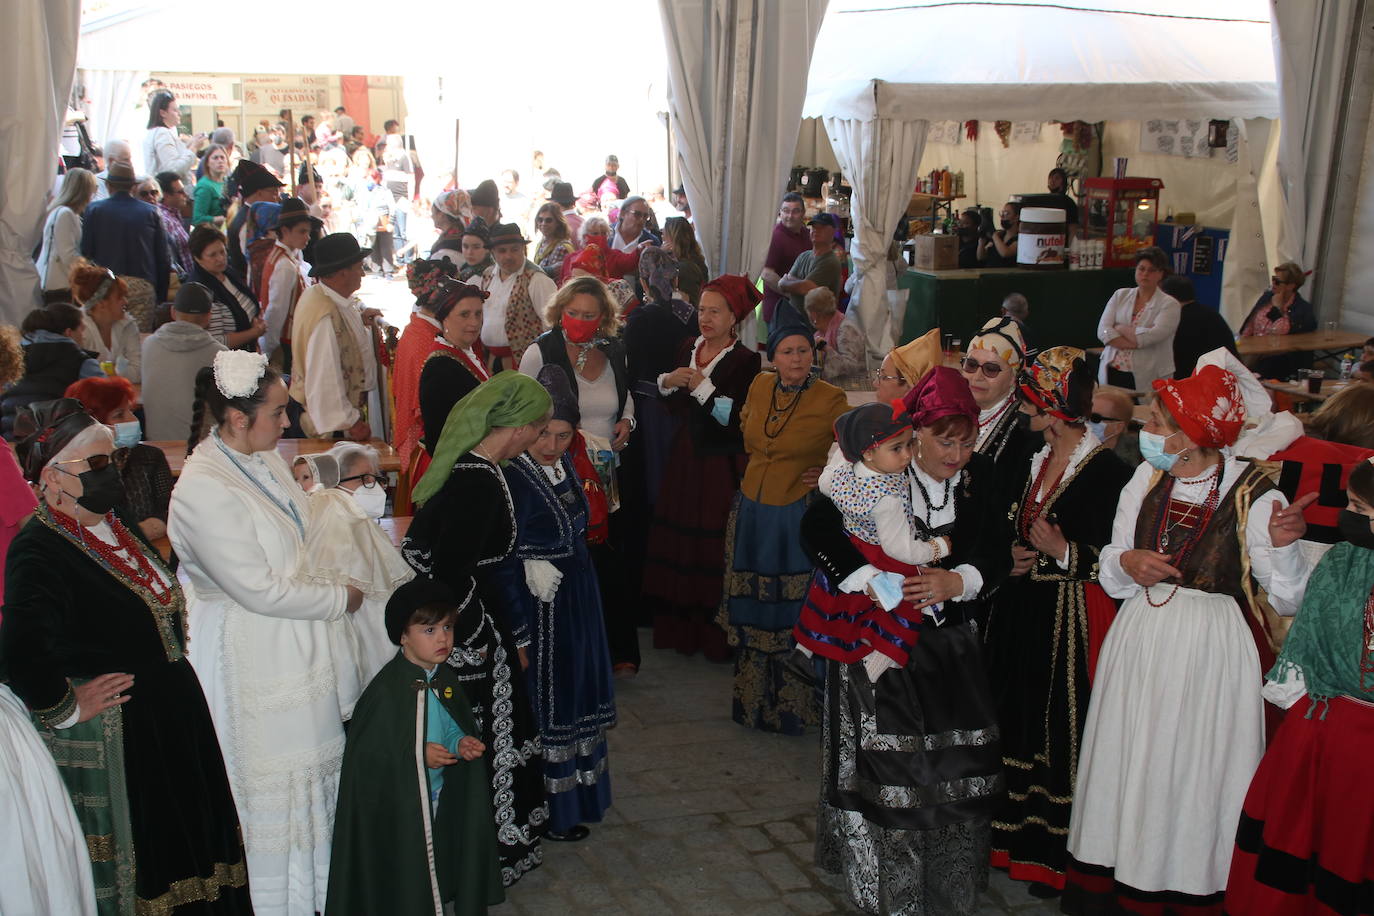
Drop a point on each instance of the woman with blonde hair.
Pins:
(1346, 417)
(106, 328)
(62, 234)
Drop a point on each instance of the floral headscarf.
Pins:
(1049, 381)
(1207, 406)
(657, 270)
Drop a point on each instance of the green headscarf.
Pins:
(506, 399)
(1327, 638)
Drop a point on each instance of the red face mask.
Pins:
(580, 330)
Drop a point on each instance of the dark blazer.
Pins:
(1200, 330)
(654, 336)
(981, 536)
(125, 234)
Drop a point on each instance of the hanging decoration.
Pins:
(971, 130)
(1004, 132)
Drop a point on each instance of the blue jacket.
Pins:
(125, 234)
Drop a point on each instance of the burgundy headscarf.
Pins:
(738, 291)
(941, 392)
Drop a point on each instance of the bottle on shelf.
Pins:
(959, 183)
(1347, 366)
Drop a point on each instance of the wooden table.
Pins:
(396, 527)
(388, 460)
(1298, 390)
(1323, 343)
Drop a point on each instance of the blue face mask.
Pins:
(127, 435)
(1099, 429)
(1152, 450)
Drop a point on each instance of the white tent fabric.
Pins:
(37, 53)
(880, 158)
(1035, 62)
(110, 100)
(736, 77)
(1312, 45)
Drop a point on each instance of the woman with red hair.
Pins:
(107, 329)
(147, 478)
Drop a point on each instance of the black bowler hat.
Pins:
(294, 210)
(193, 299)
(336, 251)
(562, 194)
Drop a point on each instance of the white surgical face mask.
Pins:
(372, 500)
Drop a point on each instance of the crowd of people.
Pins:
(1035, 633)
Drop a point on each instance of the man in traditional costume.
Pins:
(283, 278)
(520, 294)
(335, 361)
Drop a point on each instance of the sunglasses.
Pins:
(971, 367)
(95, 462)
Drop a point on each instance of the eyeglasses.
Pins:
(880, 378)
(971, 367)
(369, 480)
(94, 462)
(1277, 281)
(149, 195)
(642, 214)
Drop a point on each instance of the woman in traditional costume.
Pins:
(93, 642)
(463, 529)
(1304, 840)
(1175, 726)
(1048, 620)
(706, 390)
(417, 340)
(549, 589)
(786, 422)
(911, 767)
(260, 636)
(413, 834)
(455, 365)
(990, 368)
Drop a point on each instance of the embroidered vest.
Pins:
(312, 308)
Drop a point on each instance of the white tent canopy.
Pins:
(1031, 61)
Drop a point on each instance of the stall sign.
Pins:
(272, 93)
(200, 90)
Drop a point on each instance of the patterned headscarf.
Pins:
(862, 428)
(44, 429)
(264, 219)
(1051, 382)
(1002, 336)
(450, 203)
(1207, 406)
(423, 277)
(506, 399)
(941, 392)
(657, 271)
(915, 358)
(590, 259)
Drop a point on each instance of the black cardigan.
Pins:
(981, 536)
(732, 377)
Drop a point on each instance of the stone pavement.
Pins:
(708, 817)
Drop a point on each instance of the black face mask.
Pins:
(1355, 528)
(101, 490)
(1023, 421)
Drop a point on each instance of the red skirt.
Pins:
(1306, 838)
(843, 626)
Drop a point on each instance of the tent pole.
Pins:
(457, 129)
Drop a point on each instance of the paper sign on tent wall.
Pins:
(1025, 131)
(1178, 137)
(271, 93)
(951, 132)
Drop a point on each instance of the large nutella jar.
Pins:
(1042, 239)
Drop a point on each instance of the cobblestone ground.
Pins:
(709, 817)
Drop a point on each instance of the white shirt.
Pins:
(597, 400)
(541, 289)
(125, 349)
(325, 396)
(280, 288)
(164, 151)
(1282, 571)
(61, 248)
(618, 243)
(1154, 331)
(986, 423)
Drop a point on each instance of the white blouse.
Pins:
(1283, 571)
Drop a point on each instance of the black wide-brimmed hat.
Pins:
(562, 194)
(505, 234)
(294, 210)
(252, 177)
(336, 251)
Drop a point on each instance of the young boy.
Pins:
(867, 482)
(414, 829)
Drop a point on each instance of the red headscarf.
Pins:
(1207, 406)
(941, 392)
(738, 291)
(591, 258)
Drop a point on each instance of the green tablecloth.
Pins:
(1065, 305)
